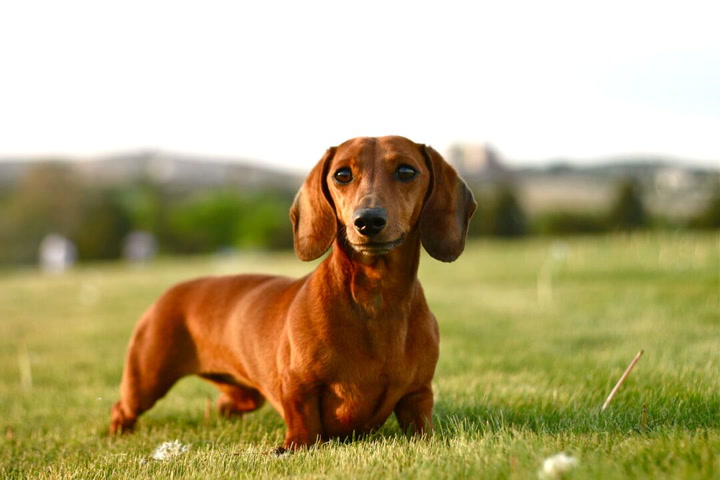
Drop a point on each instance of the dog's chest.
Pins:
(366, 365)
(362, 403)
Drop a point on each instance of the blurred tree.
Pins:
(709, 215)
(627, 211)
(148, 206)
(499, 212)
(103, 226)
(506, 216)
(479, 225)
(143, 201)
(264, 223)
(48, 199)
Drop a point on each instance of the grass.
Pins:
(534, 336)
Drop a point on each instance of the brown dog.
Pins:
(335, 352)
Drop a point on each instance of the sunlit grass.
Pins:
(534, 336)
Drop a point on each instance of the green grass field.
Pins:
(534, 336)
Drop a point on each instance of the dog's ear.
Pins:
(448, 207)
(312, 213)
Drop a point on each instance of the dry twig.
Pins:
(622, 379)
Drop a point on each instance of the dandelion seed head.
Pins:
(556, 466)
(169, 450)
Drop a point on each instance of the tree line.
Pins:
(500, 213)
(52, 199)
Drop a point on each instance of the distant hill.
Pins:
(638, 167)
(170, 169)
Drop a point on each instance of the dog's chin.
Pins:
(377, 248)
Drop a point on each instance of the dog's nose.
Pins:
(370, 221)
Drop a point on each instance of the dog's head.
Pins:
(377, 191)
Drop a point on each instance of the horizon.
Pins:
(513, 164)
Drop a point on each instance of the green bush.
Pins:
(265, 223)
(204, 223)
(499, 213)
(569, 223)
(709, 216)
(216, 220)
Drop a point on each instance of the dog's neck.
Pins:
(373, 281)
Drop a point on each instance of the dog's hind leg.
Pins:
(239, 400)
(234, 399)
(160, 353)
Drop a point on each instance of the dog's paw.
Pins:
(120, 422)
(281, 452)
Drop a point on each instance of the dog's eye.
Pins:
(405, 173)
(343, 176)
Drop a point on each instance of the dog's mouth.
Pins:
(377, 248)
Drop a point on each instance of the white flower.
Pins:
(168, 450)
(556, 466)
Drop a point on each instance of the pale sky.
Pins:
(280, 82)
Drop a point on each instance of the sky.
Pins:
(281, 81)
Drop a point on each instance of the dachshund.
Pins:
(337, 351)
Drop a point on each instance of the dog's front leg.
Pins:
(414, 411)
(301, 410)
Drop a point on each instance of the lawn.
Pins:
(534, 336)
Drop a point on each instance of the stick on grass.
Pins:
(622, 379)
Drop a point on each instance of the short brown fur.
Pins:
(337, 351)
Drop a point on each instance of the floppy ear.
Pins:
(312, 213)
(448, 207)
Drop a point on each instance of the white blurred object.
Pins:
(557, 255)
(556, 466)
(168, 450)
(57, 253)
